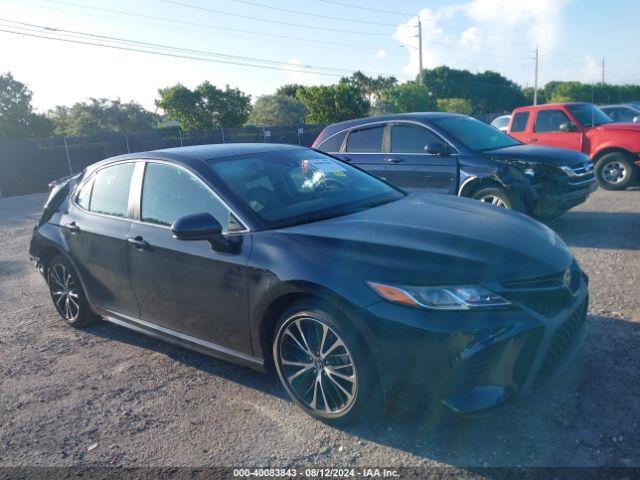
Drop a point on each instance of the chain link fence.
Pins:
(28, 166)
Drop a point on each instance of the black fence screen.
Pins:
(27, 166)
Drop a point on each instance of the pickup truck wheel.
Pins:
(499, 197)
(616, 171)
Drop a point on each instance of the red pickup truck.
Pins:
(613, 147)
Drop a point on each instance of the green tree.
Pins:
(371, 87)
(487, 91)
(455, 105)
(205, 107)
(17, 118)
(333, 103)
(277, 110)
(98, 116)
(289, 90)
(406, 97)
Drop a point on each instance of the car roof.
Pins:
(550, 105)
(199, 153)
(336, 127)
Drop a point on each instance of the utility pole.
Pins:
(535, 82)
(420, 50)
(603, 70)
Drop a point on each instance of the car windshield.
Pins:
(290, 187)
(589, 115)
(474, 134)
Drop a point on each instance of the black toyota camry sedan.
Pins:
(359, 295)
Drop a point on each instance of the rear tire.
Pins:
(616, 171)
(67, 293)
(499, 197)
(324, 365)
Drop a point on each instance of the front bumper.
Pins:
(472, 363)
(563, 195)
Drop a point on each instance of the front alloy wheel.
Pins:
(616, 171)
(499, 197)
(318, 365)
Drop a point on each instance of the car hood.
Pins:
(627, 126)
(541, 154)
(431, 239)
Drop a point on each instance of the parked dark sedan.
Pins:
(282, 257)
(456, 154)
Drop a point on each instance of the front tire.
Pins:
(324, 367)
(616, 171)
(67, 293)
(499, 197)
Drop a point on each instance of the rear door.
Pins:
(186, 286)
(96, 231)
(547, 130)
(363, 148)
(410, 167)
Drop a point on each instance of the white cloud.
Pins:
(499, 35)
(295, 75)
(381, 54)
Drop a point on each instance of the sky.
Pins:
(305, 41)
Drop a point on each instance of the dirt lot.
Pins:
(140, 402)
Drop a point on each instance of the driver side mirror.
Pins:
(200, 226)
(437, 148)
(566, 127)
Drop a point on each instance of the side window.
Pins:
(411, 138)
(169, 193)
(368, 140)
(110, 194)
(626, 115)
(550, 120)
(333, 144)
(84, 195)
(519, 123)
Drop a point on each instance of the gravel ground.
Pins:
(106, 396)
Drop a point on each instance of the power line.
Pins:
(279, 22)
(210, 27)
(230, 60)
(360, 7)
(316, 15)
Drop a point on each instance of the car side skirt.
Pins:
(181, 339)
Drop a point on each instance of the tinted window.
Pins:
(588, 114)
(169, 193)
(474, 134)
(550, 120)
(110, 193)
(411, 139)
(299, 186)
(333, 144)
(365, 141)
(624, 115)
(84, 195)
(520, 120)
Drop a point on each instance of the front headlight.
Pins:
(461, 297)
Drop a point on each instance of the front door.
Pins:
(411, 168)
(554, 128)
(96, 230)
(186, 286)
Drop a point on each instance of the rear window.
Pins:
(110, 194)
(367, 140)
(333, 144)
(520, 120)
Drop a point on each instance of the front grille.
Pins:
(546, 281)
(562, 341)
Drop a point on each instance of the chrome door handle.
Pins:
(138, 242)
(395, 160)
(72, 227)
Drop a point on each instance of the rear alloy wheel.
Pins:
(67, 294)
(498, 197)
(322, 368)
(615, 171)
